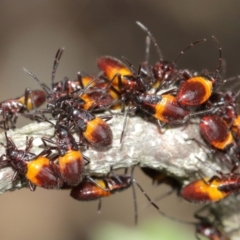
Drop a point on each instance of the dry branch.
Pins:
(142, 143)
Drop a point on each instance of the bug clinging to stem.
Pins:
(214, 189)
(38, 169)
(164, 72)
(196, 90)
(68, 106)
(14, 107)
(70, 159)
(87, 191)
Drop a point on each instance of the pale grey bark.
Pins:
(142, 143)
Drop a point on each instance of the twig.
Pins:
(142, 143)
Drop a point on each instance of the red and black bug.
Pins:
(71, 161)
(68, 108)
(101, 96)
(87, 191)
(124, 80)
(220, 130)
(164, 72)
(12, 108)
(117, 72)
(227, 108)
(56, 92)
(94, 129)
(96, 94)
(92, 89)
(215, 130)
(209, 226)
(210, 231)
(164, 108)
(39, 169)
(216, 188)
(196, 90)
(204, 226)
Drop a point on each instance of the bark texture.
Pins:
(143, 144)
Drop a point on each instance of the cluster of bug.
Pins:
(159, 92)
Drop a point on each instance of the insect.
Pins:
(220, 130)
(215, 131)
(101, 96)
(87, 191)
(216, 188)
(116, 71)
(209, 226)
(62, 90)
(196, 90)
(71, 162)
(164, 72)
(52, 97)
(67, 86)
(95, 93)
(210, 231)
(123, 79)
(39, 170)
(14, 107)
(94, 129)
(164, 108)
(227, 107)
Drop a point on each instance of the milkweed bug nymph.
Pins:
(216, 188)
(94, 129)
(70, 159)
(39, 169)
(215, 131)
(164, 72)
(87, 191)
(196, 90)
(17, 106)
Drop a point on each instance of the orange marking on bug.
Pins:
(161, 107)
(87, 191)
(29, 102)
(199, 191)
(98, 133)
(216, 131)
(38, 96)
(86, 80)
(112, 66)
(195, 91)
(167, 110)
(88, 102)
(99, 191)
(71, 167)
(39, 167)
(224, 144)
(69, 157)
